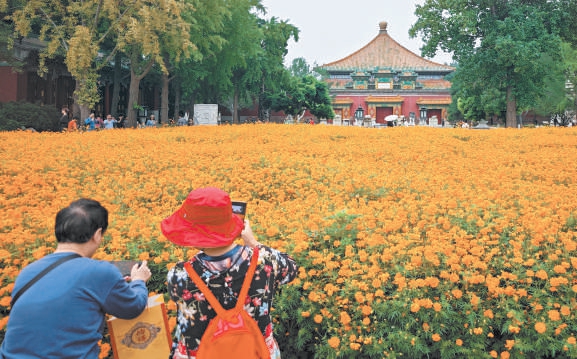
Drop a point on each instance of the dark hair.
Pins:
(78, 222)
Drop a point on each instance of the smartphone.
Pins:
(125, 267)
(239, 208)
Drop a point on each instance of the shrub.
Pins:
(15, 115)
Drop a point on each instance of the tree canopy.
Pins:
(503, 48)
(215, 51)
(301, 94)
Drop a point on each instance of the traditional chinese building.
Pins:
(384, 78)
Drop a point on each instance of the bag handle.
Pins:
(208, 293)
(42, 274)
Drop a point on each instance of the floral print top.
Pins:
(224, 276)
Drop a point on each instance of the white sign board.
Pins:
(206, 114)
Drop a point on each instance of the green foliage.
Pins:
(299, 67)
(16, 115)
(302, 94)
(504, 50)
(416, 317)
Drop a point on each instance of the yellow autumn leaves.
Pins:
(412, 241)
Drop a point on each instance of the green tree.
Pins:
(7, 31)
(303, 94)
(74, 30)
(207, 26)
(268, 67)
(89, 33)
(507, 42)
(559, 99)
(155, 33)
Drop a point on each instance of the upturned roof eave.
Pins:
(360, 57)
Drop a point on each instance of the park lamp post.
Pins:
(359, 114)
(423, 119)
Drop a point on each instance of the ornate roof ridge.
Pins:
(383, 45)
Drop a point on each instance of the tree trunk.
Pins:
(176, 85)
(134, 89)
(82, 111)
(116, 85)
(511, 117)
(131, 116)
(164, 100)
(235, 118)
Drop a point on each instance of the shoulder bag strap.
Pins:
(42, 274)
(208, 293)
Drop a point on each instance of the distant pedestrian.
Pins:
(73, 124)
(64, 119)
(151, 122)
(182, 121)
(120, 123)
(109, 122)
(90, 122)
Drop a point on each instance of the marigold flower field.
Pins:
(412, 242)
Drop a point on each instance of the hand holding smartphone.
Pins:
(239, 208)
(125, 267)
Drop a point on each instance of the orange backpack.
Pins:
(232, 333)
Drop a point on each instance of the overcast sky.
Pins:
(333, 29)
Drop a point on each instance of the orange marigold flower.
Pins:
(5, 301)
(514, 330)
(334, 342)
(306, 314)
(318, 318)
(104, 350)
(554, 315)
(565, 310)
(505, 355)
(355, 346)
(426, 327)
(509, 344)
(571, 340)
(488, 313)
(494, 354)
(540, 327)
(3, 322)
(457, 293)
(437, 306)
(478, 331)
(436, 337)
(345, 318)
(314, 297)
(459, 342)
(415, 307)
(541, 274)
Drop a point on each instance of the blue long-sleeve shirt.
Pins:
(63, 314)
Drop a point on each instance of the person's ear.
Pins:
(97, 236)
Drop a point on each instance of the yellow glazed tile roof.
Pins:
(384, 52)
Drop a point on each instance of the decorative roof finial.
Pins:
(383, 27)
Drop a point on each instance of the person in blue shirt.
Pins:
(90, 122)
(62, 315)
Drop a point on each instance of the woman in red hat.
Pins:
(205, 221)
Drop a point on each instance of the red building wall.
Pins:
(8, 85)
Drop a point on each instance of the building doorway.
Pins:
(383, 112)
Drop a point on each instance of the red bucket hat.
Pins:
(205, 220)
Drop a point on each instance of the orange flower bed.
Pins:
(413, 241)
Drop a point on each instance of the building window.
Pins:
(340, 76)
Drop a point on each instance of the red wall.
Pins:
(8, 85)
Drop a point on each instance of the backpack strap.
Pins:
(42, 274)
(208, 293)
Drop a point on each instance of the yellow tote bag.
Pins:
(146, 336)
